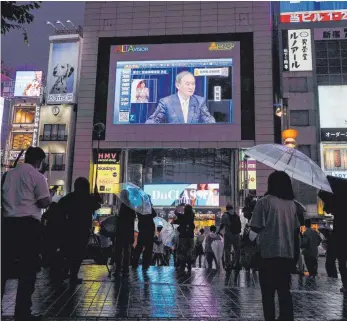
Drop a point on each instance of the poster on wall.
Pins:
(332, 106)
(299, 50)
(312, 11)
(62, 73)
(174, 194)
(160, 84)
(28, 84)
(108, 178)
(335, 159)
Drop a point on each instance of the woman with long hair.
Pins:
(274, 218)
(186, 238)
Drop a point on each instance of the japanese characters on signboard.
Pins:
(330, 33)
(300, 50)
(312, 11)
(333, 134)
(36, 125)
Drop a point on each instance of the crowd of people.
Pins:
(271, 243)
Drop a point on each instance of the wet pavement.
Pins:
(161, 294)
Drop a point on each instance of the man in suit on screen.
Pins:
(183, 107)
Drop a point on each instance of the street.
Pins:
(160, 294)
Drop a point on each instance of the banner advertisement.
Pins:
(62, 73)
(107, 156)
(108, 178)
(333, 112)
(330, 33)
(252, 174)
(300, 50)
(334, 159)
(174, 194)
(312, 11)
(28, 84)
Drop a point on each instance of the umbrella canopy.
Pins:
(135, 198)
(296, 164)
(158, 221)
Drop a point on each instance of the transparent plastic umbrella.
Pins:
(135, 198)
(296, 164)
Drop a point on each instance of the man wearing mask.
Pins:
(232, 224)
(24, 194)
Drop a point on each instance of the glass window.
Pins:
(24, 115)
(297, 84)
(299, 118)
(21, 140)
(54, 132)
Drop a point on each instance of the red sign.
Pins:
(314, 16)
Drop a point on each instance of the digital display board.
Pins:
(174, 194)
(312, 11)
(172, 84)
(28, 84)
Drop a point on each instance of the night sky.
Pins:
(15, 53)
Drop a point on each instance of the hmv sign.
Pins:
(107, 156)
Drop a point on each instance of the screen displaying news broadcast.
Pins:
(191, 91)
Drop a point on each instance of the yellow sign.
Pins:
(221, 46)
(108, 178)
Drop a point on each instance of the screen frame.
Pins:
(246, 68)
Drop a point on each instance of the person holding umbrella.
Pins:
(124, 235)
(145, 240)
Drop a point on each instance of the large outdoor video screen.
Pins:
(174, 83)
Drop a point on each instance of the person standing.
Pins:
(186, 238)
(310, 242)
(274, 218)
(24, 194)
(124, 235)
(79, 207)
(231, 222)
(158, 248)
(145, 240)
(199, 250)
(210, 256)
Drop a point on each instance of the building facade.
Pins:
(228, 48)
(313, 77)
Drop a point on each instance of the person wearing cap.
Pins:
(232, 224)
(24, 194)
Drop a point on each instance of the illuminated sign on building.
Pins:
(299, 50)
(330, 33)
(28, 84)
(312, 11)
(36, 125)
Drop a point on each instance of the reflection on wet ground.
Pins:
(161, 293)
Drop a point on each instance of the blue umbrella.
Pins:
(135, 198)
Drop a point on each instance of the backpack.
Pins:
(234, 223)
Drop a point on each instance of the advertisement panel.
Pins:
(300, 50)
(62, 73)
(28, 84)
(167, 84)
(312, 11)
(251, 172)
(333, 112)
(2, 102)
(107, 156)
(108, 178)
(330, 33)
(174, 194)
(334, 159)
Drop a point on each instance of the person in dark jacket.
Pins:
(186, 238)
(124, 235)
(335, 204)
(145, 240)
(78, 207)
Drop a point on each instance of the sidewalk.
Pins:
(160, 294)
